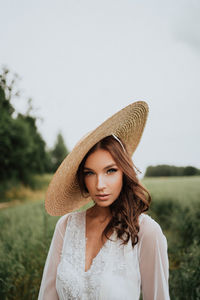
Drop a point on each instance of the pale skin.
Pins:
(104, 180)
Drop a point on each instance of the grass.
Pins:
(184, 189)
(25, 235)
(19, 193)
(26, 232)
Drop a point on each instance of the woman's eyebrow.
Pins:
(110, 166)
(107, 167)
(86, 168)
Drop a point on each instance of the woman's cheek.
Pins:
(89, 182)
(119, 182)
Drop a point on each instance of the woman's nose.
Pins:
(100, 184)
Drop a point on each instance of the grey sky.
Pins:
(82, 61)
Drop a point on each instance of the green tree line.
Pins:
(168, 170)
(23, 151)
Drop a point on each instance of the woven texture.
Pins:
(63, 194)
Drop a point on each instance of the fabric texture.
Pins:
(117, 272)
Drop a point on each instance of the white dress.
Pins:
(118, 272)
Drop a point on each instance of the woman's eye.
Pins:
(88, 173)
(111, 170)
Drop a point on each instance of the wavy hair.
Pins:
(133, 198)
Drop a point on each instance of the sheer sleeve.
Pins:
(153, 259)
(48, 283)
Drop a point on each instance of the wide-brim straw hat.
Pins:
(63, 194)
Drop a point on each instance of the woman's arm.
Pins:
(153, 258)
(48, 283)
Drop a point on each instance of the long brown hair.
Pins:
(133, 198)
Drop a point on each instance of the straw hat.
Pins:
(63, 194)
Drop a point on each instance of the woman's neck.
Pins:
(101, 214)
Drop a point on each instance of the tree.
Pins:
(189, 170)
(22, 149)
(59, 152)
(167, 170)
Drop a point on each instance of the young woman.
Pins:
(113, 250)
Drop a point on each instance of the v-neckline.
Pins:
(100, 250)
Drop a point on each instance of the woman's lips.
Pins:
(103, 197)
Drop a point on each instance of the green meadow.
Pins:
(26, 232)
(182, 189)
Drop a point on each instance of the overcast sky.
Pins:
(83, 60)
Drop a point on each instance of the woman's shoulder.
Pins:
(63, 220)
(149, 227)
(151, 239)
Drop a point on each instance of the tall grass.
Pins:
(26, 232)
(25, 235)
(176, 207)
(15, 191)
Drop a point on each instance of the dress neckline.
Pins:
(100, 250)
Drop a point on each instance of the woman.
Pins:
(112, 250)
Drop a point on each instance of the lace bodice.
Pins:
(115, 273)
(72, 281)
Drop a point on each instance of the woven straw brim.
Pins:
(63, 194)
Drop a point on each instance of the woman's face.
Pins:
(102, 177)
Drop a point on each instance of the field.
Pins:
(26, 232)
(182, 189)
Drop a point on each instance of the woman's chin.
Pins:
(103, 203)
